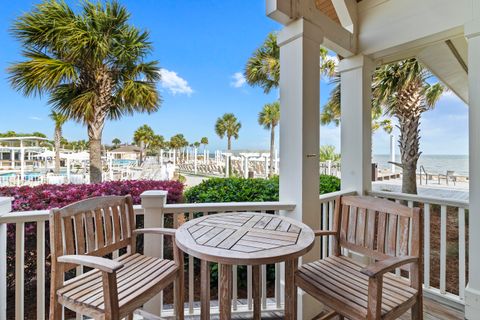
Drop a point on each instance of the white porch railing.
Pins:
(36, 222)
(436, 253)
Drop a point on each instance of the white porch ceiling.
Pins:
(441, 60)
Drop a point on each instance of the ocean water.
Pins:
(433, 164)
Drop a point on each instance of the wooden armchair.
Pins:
(390, 235)
(82, 234)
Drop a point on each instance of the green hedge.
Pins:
(246, 190)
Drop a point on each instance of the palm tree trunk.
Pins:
(408, 114)
(229, 148)
(95, 126)
(95, 147)
(58, 140)
(272, 150)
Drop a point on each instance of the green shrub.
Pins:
(233, 190)
(329, 184)
(247, 190)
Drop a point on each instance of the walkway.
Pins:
(436, 191)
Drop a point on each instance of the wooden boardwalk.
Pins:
(435, 191)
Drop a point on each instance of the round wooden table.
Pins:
(243, 238)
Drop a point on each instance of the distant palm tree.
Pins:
(269, 118)
(59, 120)
(263, 67)
(228, 126)
(157, 143)
(204, 141)
(92, 64)
(401, 90)
(197, 144)
(327, 153)
(143, 137)
(178, 142)
(116, 142)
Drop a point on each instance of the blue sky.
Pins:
(202, 46)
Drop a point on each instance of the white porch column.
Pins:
(299, 44)
(153, 202)
(472, 292)
(356, 123)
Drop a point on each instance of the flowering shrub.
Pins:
(56, 196)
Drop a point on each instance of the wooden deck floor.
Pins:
(432, 311)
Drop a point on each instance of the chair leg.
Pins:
(55, 309)
(417, 309)
(179, 298)
(129, 317)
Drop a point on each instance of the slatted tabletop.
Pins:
(242, 238)
(245, 238)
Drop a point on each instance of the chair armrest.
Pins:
(99, 263)
(387, 265)
(319, 233)
(164, 231)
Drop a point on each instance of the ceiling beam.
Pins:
(347, 13)
(336, 38)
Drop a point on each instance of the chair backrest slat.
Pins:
(378, 228)
(96, 226)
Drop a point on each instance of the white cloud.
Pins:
(238, 80)
(175, 84)
(35, 118)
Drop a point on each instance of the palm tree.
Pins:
(327, 153)
(116, 142)
(204, 142)
(269, 118)
(178, 142)
(59, 120)
(263, 67)
(331, 110)
(143, 137)
(401, 90)
(91, 63)
(157, 143)
(229, 126)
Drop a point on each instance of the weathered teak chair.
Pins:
(387, 233)
(81, 235)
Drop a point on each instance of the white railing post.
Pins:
(5, 207)
(153, 203)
